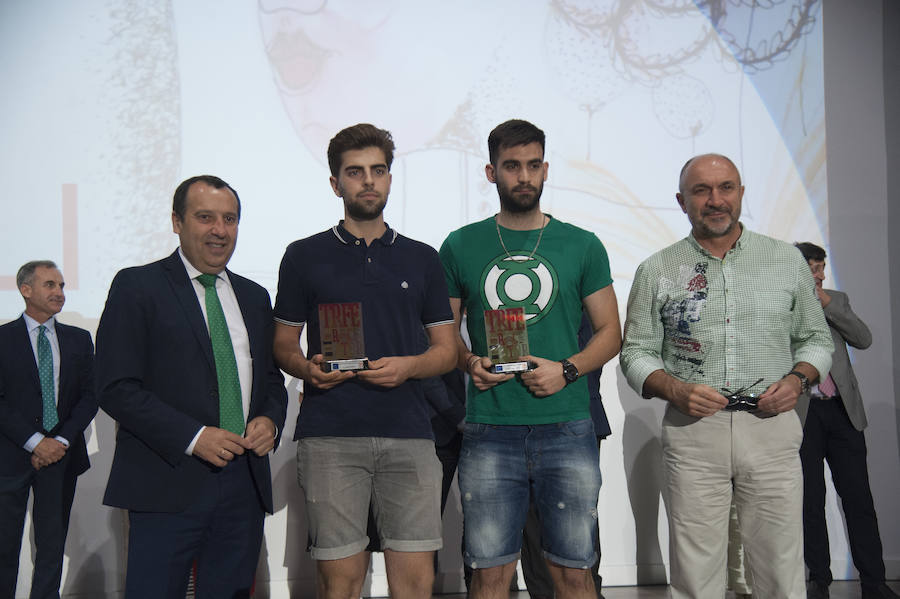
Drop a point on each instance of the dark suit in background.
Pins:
(833, 431)
(446, 396)
(21, 416)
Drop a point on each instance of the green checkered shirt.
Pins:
(724, 322)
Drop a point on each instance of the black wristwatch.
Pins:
(804, 380)
(570, 372)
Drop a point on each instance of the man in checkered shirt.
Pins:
(725, 326)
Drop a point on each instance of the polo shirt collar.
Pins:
(345, 237)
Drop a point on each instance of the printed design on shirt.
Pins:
(509, 282)
(681, 310)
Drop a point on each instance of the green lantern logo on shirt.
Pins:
(510, 282)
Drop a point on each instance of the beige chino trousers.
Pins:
(755, 460)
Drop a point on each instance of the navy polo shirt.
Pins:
(401, 285)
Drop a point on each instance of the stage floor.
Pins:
(840, 589)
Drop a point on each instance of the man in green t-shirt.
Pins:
(529, 436)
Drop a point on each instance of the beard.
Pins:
(710, 230)
(513, 200)
(364, 210)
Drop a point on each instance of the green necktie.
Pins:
(45, 370)
(231, 411)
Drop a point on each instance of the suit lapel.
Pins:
(30, 365)
(187, 297)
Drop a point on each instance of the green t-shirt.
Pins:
(569, 265)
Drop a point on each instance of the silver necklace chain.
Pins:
(544, 222)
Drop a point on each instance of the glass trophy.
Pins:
(341, 334)
(507, 340)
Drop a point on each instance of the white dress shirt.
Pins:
(240, 340)
(32, 325)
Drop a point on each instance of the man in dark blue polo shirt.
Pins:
(365, 436)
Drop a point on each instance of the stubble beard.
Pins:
(361, 210)
(713, 231)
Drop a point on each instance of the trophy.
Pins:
(507, 340)
(341, 333)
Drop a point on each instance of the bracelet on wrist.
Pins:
(469, 361)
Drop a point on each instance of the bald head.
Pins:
(682, 177)
(710, 193)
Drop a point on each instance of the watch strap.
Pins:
(804, 380)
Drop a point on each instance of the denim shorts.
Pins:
(341, 476)
(502, 467)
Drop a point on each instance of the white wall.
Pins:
(861, 238)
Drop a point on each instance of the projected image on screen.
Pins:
(625, 90)
(143, 96)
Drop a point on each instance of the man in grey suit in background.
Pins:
(834, 420)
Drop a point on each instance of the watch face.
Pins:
(570, 372)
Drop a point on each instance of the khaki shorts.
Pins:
(341, 476)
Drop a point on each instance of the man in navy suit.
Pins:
(46, 402)
(184, 364)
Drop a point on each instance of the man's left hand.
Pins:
(781, 396)
(260, 435)
(546, 379)
(391, 371)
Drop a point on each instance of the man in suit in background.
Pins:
(184, 363)
(834, 421)
(46, 402)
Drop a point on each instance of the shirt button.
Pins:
(368, 259)
(357, 242)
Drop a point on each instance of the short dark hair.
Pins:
(515, 132)
(359, 137)
(26, 272)
(811, 251)
(179, 200)
(693, 158)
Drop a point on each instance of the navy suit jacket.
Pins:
(157, 378)
(21, 405)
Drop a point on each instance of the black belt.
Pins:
(824, 398)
